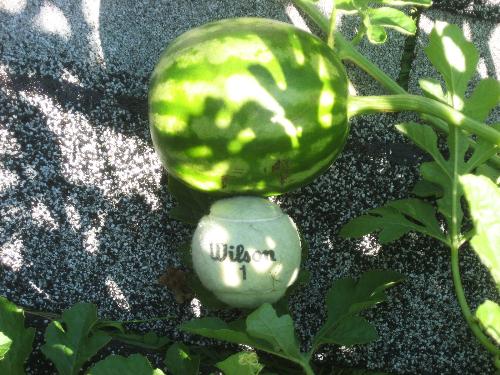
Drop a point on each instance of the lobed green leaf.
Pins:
(69, 343)
(483, 197)
(192, 204)
(279, 332)
(485, 97)
(482, 153)
(432, 88)
(215, 328)
(393, 221)
(180, 361)
(347, 298)
(454, 57)
(262, 330)
(135, 364)
(352, 330)
(391, 18)
(375, 34)
(492, 173)
(242, 363)
(426, 189)
(424, 137)
(488, 314)
(15, 341)
(347, 5)
(5, 344)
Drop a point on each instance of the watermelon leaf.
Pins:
(136, 364)
(5, 344)
(376, 20)
(396, 219)
(432, 89)
(15, 340)
(426, 189)
(180, 361)
(345, 5)
(485, 97)
(69, 343)
(483, 197)
(391, 18)
(492, 173)
(346, 299)
(448, 178)
(279, 332)
(191, 204)
(352, 330)
(454, 57)
(488, 314)
(262, 330)
(234, 332)
(242, 363)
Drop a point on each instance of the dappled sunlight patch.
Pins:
(8, 179)
(261, 261)
(39, 290)
(271, 244)
(454, 54)
(223, 118)
(13, 6)
(52, 20)
(220, 168)
(70, 77)
(42, 216)
(295, 17)
(115, 292)
(11, 255)
(231, 275)
(289, 129)
(169, 124)
(369, 245)
(298, 51)
(243, 137)
(202, 151)
(91, 11)
(90, 240)
(73, 216)
(293, 277)
(195, 306)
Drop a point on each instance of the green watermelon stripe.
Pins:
(265, 118)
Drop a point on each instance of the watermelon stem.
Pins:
(332, 26)
(466, 311)
(358, 105)
(347, 51)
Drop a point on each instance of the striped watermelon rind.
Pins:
(248, 106)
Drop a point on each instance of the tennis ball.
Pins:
(246, 251)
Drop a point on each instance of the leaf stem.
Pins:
(466, 312)
(395, 103)
(53, 316)
(332, 27)
(359, 35)
(46, 315)
(168, 317)
(307, 367)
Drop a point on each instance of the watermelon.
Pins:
(248, 106)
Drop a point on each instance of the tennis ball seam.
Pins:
(246, 220)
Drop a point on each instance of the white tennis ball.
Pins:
(246, 251)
